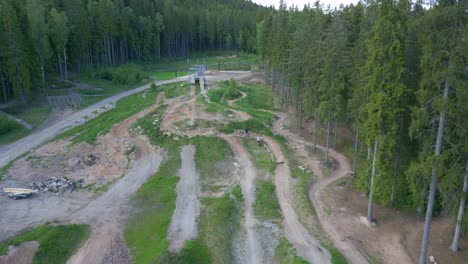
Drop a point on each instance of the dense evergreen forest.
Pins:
(397, 74)
(49, 37)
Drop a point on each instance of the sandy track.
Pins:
(184, 221)
(346, 247)
(106, 213)
(307, 246)
(22, 254)
(254, 252)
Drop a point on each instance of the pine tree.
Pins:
(39, 33)
(384, 70)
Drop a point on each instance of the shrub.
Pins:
(7, 125)
(153, 87)
(124, 74)
(215, 95)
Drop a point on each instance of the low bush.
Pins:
(215, 95)
(7, 125)
(124, 74)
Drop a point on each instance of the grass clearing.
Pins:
(219, 222)
(57, 243)
(266, 206)
(175, 89)
(10, 130)
(35, 115)
(213, 160)
(336, 256)
(146, 231)
(286, 253)
(260, 155)
(223, 60)
(167, 75)
(258, 97)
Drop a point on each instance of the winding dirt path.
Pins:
(254, 252)
(346, 247)
(307, 246)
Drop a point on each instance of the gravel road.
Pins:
(15, 149)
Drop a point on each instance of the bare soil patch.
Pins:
(306, 245)
(60, 158)
(184, 223)
(397, 236)
(22, 254)
(253, 251)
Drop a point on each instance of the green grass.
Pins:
(194, 252)
(146, 231)
(240, 61)
(10, 131)
(258, 97)
(175, 89)
(219, 222)
(266, 204)
(336, 256)
(215, 95)
(252, 124)
(167, 75)
(56, 242)
(261, 157)
(151, 128)
(286, 254)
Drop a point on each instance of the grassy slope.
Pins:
(34, 115)
(161, 76)
(56, 243)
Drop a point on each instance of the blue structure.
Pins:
(199, 70)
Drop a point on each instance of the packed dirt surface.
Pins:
(95, 165)
(306, 245)
(184, 223)
(397, 235)
(346, 247)
(22, 254)
(106, 213)
(253, 250)
(340, 210)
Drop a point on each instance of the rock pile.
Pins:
(137, 130)
(54, 184)
(128, 143)
(90, 159)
